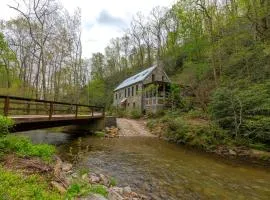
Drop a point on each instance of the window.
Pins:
(137, 88)
(162, 78)
(125, 92)
(153, 77)
(134, 105)
(120, 95)
(128, 92)
(132, 91)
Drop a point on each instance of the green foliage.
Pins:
(8, 65)
(99, 189)
(121, 112)
(197, 114)
(100, 133)
(83, 170)
(16, 186)
(203, 136)
(24, 147)
(96, 92)
(188, 130)
(83, 189)
(5, 125)
(244, 110)
(135, 114)
(174, 96)
(113, 181)
(73, 191)
(157, 114)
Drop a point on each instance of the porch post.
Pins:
(164, 94)
(156, 95)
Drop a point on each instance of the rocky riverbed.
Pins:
(65, 175)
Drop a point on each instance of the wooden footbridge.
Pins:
(29, 114)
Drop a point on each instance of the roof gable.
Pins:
(136, 78)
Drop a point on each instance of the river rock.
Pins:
(113, 195)
(93, 178)
(104, 180)
(94, 197)
(112, 132)
(232, 152)
(84, 177)
(118, 190)
(58, 186)
(66, 167)
(74, 175)
(127, 190)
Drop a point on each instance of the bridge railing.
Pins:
(12, 105)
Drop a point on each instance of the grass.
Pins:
(100, 134)
(81, 189)
(16, 186)
(113, 181)
(83, 170)
(22, 146)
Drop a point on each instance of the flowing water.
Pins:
(160, 169)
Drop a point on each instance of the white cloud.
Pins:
(96, 15)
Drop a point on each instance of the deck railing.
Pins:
(12, 105)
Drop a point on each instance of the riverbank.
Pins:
(201, 133)
(34, 171)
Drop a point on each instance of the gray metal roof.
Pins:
(136, 78)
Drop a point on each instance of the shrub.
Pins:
(182, 130)
(159, 113)
(197, 114)
(113, 181)
(135, 114)
(244, 110)
(24, 147)
(5, 125)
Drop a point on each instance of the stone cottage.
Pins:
(146, 91)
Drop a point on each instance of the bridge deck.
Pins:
(36, 118)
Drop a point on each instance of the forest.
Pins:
(217, 51)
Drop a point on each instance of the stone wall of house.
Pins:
(158, 73)
(133, 101)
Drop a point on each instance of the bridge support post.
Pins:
(76, 111)
(6, 106)
(28, 108)
(51, 110)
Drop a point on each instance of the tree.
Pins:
(8, 62)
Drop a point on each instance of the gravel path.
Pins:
(131, 127)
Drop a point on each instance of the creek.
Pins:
(159, 169)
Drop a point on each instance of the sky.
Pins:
(101, 19)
